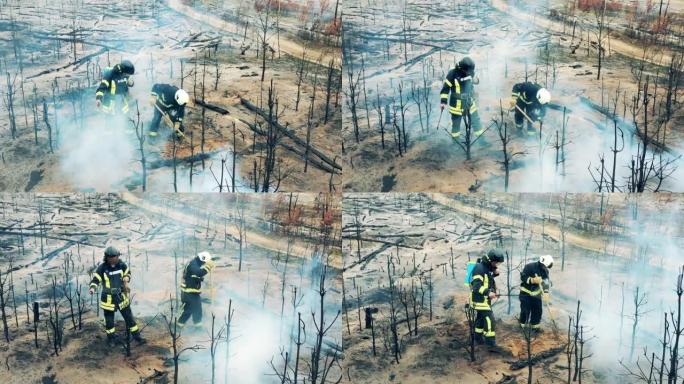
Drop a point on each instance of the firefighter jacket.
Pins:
(530, 271)
(481, 284)
(525, 96)
(112, 281)
(165, 96)
(457, 92)
(114, 82)
(193, 275)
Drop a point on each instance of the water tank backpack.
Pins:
(469, 272)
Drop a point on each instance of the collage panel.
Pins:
(513, 96)
(512, 288)
(170, 288)
(170, 96)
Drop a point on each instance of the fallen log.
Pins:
(290, 134)
(536, 358)
(212, 107)
(317, 163)
(153, 377)
(75, 63)
(161, 163)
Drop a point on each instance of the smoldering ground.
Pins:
(417, 54)
(158, 235)
(613, 244)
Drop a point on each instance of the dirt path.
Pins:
(297, 248)
(594, 243)
(289, 47)
(620, 46)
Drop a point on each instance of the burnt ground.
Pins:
(606, 256)
(509, 42)
(166, 41)
(158, 235)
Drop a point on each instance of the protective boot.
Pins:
(138, 338)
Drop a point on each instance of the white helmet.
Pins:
(130, 81)
(182, 97)
(547, 260)
(204, 256)
(543, 96)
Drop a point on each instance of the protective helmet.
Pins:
(467, 65)
(547, 260)
(182, 97)
(111, 252)
(543, 96)
(127, 67)
(204, 256)
(495, 255)
(130, 82)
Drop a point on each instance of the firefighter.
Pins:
(530, 99)
(116, 80)
(534, 287)
(483, 292)
(168, 101)
(113, 275)
(457, 91)
(191, 287)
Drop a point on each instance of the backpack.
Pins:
(470, 267)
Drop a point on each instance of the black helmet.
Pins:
(495, 255)
(111, 252)
(467, 65)
(127, 67)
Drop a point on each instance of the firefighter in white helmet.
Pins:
(529, 99)
(191, 288)
(169, 103)
(534, 287)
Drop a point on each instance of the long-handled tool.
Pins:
(553, 318)
(169, 122)
(524, 114)
(439, 122)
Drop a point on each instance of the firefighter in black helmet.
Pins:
(483, 292)
(113, 275)
(191, 288)
(534, 287)
(458, 91)
(115, 81)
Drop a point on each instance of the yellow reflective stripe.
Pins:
(105, 82)
(97, 275)
(482, 307)
(133, 328)
(479, 330)
(478, 277)
(93, 285)
(106, 280)
(473, 108)
(126, 272)
(515, 94)
(447, 82)
(191, 290)
(99, 93)
(110, 331)
(482, 289)
(458, 87)
(113, 89)
(531, 293)
(443, 95)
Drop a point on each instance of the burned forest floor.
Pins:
(409, 251)
(270, 263)
(56, 140)
(400, 53)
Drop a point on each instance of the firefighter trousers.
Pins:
(191, 305)
(126, 313)
(530, 310)
(484, 326)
